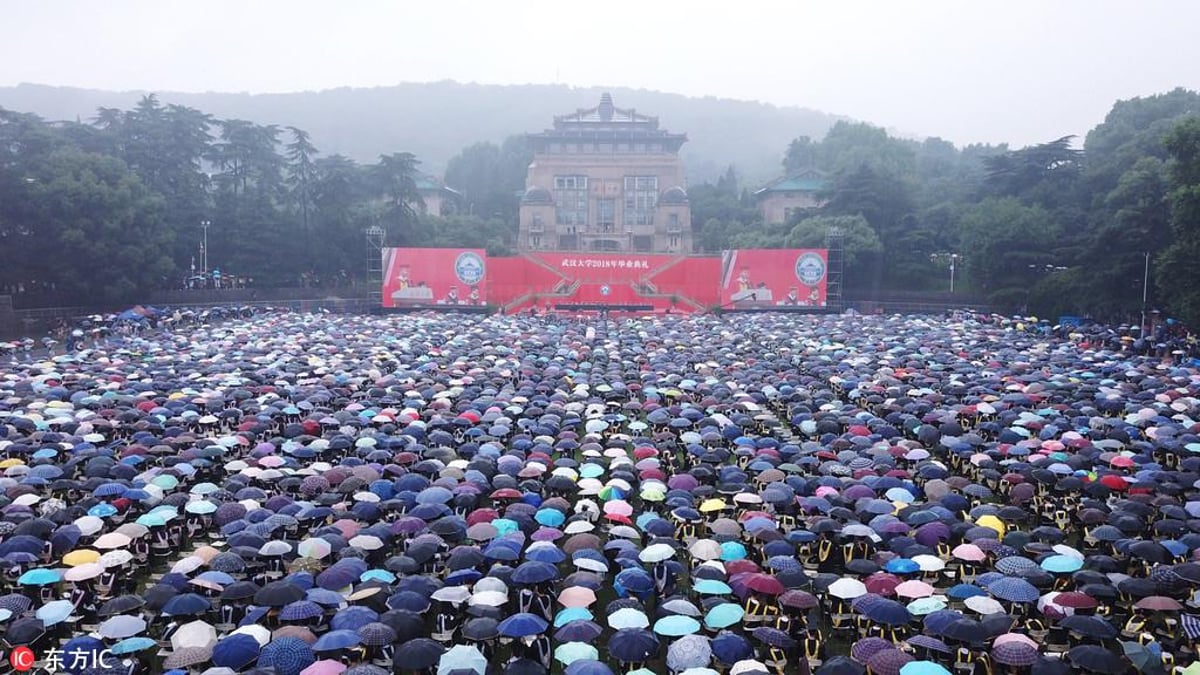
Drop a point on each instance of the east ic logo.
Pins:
(605, 290)
(468, 267)
(810, 269)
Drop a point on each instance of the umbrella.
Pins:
(569, 652)
(1097, 659)
(522, 625)
(676, 625)
(462, 658)
(632, 645)
(121, 626)
(419, 654)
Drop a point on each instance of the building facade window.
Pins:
(641, 197)
(571, 200)
(606, 214)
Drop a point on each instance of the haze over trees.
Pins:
(109, 206)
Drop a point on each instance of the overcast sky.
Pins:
(1019, 71)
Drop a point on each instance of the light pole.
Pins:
(204, 246)
(952, 258)
(1145, 289)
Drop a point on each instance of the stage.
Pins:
(468, 280)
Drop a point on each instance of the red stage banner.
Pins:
(434, 276)
(614, 267)
(761, 278)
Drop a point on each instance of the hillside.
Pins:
(436, 120)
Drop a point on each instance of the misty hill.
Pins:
(436, 120)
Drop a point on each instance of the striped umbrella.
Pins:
(1017, 654)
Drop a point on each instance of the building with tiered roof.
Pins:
(606, 179)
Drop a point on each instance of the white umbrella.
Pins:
(194, 634)
(657, 553)
(847, 588)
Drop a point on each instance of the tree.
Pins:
(861, 243)
(301, 172)
(1006, 246)
(394, 179)
(1177, 272)
(491, 177)
(96, 232)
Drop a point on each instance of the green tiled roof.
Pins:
(804, 182)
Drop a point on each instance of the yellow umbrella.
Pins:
(11, 462)
(711, 505)
(992, 522)
(80, 557)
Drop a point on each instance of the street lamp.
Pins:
(204, 247)
(952, 258)
(1145, 289)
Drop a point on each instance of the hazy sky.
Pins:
(1020, 71)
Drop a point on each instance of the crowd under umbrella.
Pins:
(324, 494)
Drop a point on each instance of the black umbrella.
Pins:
(278, 594)
(633, 645)
(1094, 659)
(418, 654)
(1089, 626)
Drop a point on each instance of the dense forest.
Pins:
(434, 120)
(106, 208)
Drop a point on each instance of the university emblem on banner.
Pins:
(810, 269)
(468, 267)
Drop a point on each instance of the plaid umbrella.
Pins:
(188, 657)
(864, 649)
(1014, 654)
(377, 634)
(888, 662)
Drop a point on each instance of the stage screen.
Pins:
(434, 276)
(608, 267)
(762, 278)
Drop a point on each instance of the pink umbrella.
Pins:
(577, 596)
(1014, 637)
(618, 507)
(325, 667)
(914, 589)
(969, 553)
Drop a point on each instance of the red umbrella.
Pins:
(764, 583)
(1075, 600)
(798, 600)
(882, 583)
(1158, 603)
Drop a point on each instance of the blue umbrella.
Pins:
(883, 610)
(676, 625)
(188, 604)
(548, 554)
(729, 648)
(572, 614)
(588, 667)
(724, 615)
(287, 655)
(523, 624)
(236, 651)
(462, 658)
(40, 576)
(1062, 564)
(54, 612)
(964, 591)
(711, 587)
(579, 630)
(534, 572)
(137, 644)
(902, 566)
(636, 580)
(1013, 589)
(633, 645)
(337, 639)
(353, 618)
